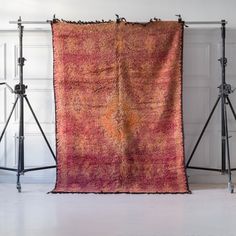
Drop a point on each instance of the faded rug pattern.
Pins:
(118, 93)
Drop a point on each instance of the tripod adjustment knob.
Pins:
(21, 61)
(223, 61)
(226, 89)
(20, 88)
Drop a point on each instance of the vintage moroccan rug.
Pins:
(118, 93)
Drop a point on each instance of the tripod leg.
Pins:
(203, 130)
(230, 185)
(231, 107)
(18, 185)
(41, 130)
(223, 135)
(8, 119)
(21, 152)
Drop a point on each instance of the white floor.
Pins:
(208, 211)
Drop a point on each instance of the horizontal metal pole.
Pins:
(210, 169)
(38, 168)
(6, 168)
(204, 22)
(30, 22)
(186, 22)
(203, 168)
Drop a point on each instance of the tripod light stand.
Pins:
(21, 97)
(224, 91)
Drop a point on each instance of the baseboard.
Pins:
(44, 177)
(208, 177)
(49, 177)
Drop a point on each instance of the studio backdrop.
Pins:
(118, 93)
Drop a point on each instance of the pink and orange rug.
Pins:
(118, 92)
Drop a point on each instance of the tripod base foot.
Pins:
(18, 186)
(230, 187)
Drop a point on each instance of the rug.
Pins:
(118, 95)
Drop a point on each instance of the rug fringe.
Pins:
(61, 192)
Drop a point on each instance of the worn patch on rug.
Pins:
(118, 93)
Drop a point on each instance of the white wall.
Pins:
(133, 10)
